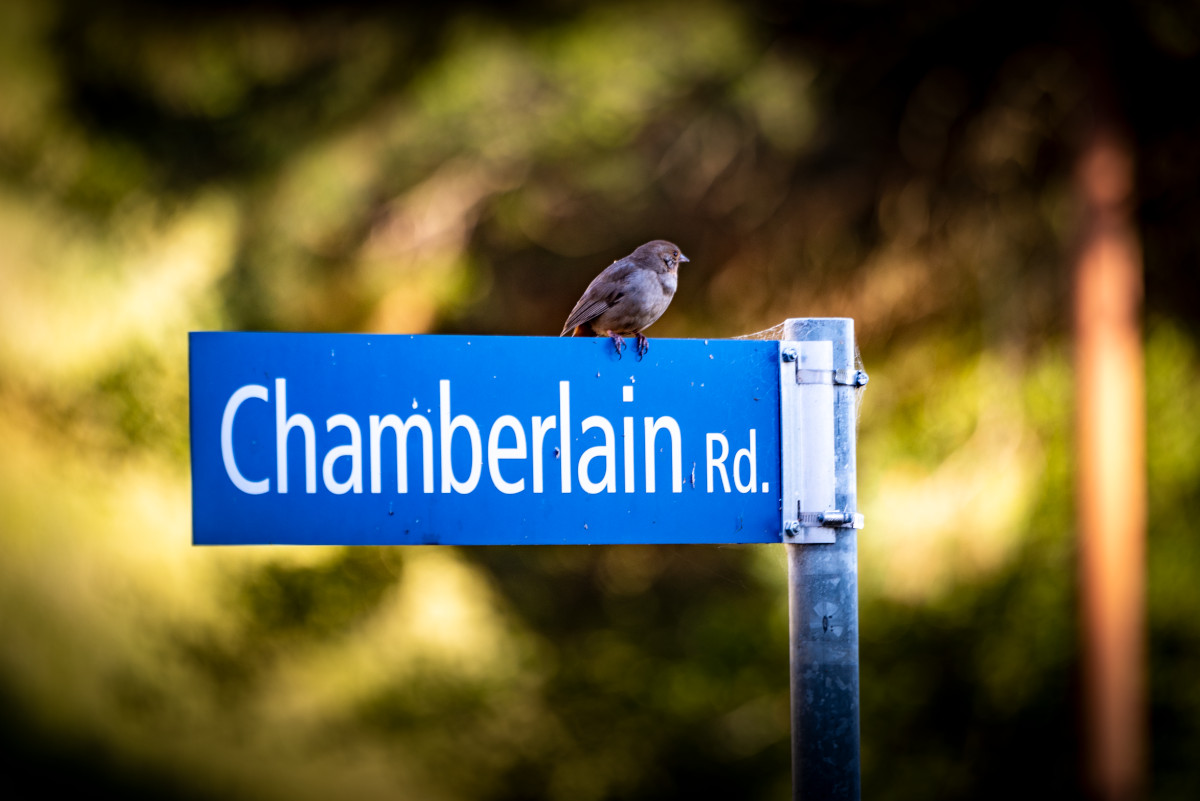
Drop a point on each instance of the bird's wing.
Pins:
(605, 291)
(585, 313)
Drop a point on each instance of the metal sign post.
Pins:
(356, 439)
(817, 396)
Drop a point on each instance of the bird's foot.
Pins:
(618, 343)
(643, 345)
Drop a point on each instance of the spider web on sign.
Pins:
(776, 332)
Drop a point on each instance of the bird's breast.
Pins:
(668, 281)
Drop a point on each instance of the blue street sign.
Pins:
(360, 439)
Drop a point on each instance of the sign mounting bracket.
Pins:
(808, 388)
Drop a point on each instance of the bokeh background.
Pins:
(468, 168)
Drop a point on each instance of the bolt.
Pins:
(789, 354)
(861, 378)
(792, 527)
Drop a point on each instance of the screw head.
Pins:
(788, 354)
(792, 527)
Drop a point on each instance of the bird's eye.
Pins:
(675, 254)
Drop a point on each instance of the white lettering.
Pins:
(401, 429)
(540, 427)
(724, 469)
(652, 428)
(450, 482)
(629, 476)
(496, 453)
(748, 454)
(717, 463)
(231, 469)
(284, 425)
(607, 450)
(352, 450)
(564, 416)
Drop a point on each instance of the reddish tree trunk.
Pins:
(1111, 478)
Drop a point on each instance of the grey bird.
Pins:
(628, 296)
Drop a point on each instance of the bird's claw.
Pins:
(618, 343)
(643, 345)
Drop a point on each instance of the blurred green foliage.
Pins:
(166, 168)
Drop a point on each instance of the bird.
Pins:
(628, 296)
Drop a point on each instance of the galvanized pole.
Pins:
(821, 542)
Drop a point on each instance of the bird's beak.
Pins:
(682, 258)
